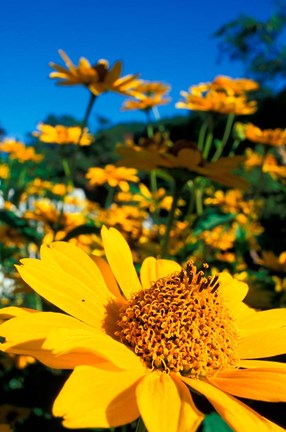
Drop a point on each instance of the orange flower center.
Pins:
(180, 324)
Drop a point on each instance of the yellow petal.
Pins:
(67, 291)
(153, 269)
(261, 321)
(190, 417)
(70, 340)
(264, 344)
(108, 276)
(75, 261)
(26, 333)
(262, 364)
(233, 290)
(96, 398)
(260, 384)
(159, 402)
(13, 311)
(239, 416)
(120, 260)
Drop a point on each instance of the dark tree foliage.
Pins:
(257, 44)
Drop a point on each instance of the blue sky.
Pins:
(164, 40)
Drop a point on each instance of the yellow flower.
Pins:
(63, 135)
(219, 237)
(145, 199)
(98, 78)
(182, 154)
(4, 171)
(139, 349)
(271, 137)
(217, 102)
(234, 85)
(19, 151)
(224, 95)
(148, 95)
(114, 176)
(273, 262)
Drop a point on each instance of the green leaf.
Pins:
(210, 219)
(214, 423)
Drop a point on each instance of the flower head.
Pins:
(270, 137)
(139, 344)
(114, 176)
(63, 135)
(98, 78)
(147, 95)
(182, 154)
(224, 95)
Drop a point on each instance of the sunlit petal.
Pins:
(260, 384)
(263, 344)
(120, 260)
(103, 398)
(153, 269)
(239, 416)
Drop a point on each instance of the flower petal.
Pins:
(161, 391)
(120, 260)
(70, 340)
(96, 398)
(153, 269)
(267, 343)
(239, 416)
(190, 417)
(68, 291)
(26, 333)
(263, 320)
(108, 276)
(260, 384)
(233, 289)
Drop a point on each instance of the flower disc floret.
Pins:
(180, 324)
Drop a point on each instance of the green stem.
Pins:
(86, 115)
(150, 130)
(199, 200)
(207, 146)
(202, 134)
(154, 189)
(140, 427)
(234, 146)
(67, 171)
(226, 135)
(83, 126)
(170, 220)
(190, 209)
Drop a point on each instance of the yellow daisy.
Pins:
(98, 78)
(139, 347)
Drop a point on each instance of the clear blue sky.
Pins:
(164, 40)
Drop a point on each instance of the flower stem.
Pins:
(140, 427)
(150, 130)
(83, 126)
(166, 238)
(227, 131)
(202, 134)
(86, 115)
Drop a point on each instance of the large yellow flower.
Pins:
(181, 159)
(98, 78)
(138, 347)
